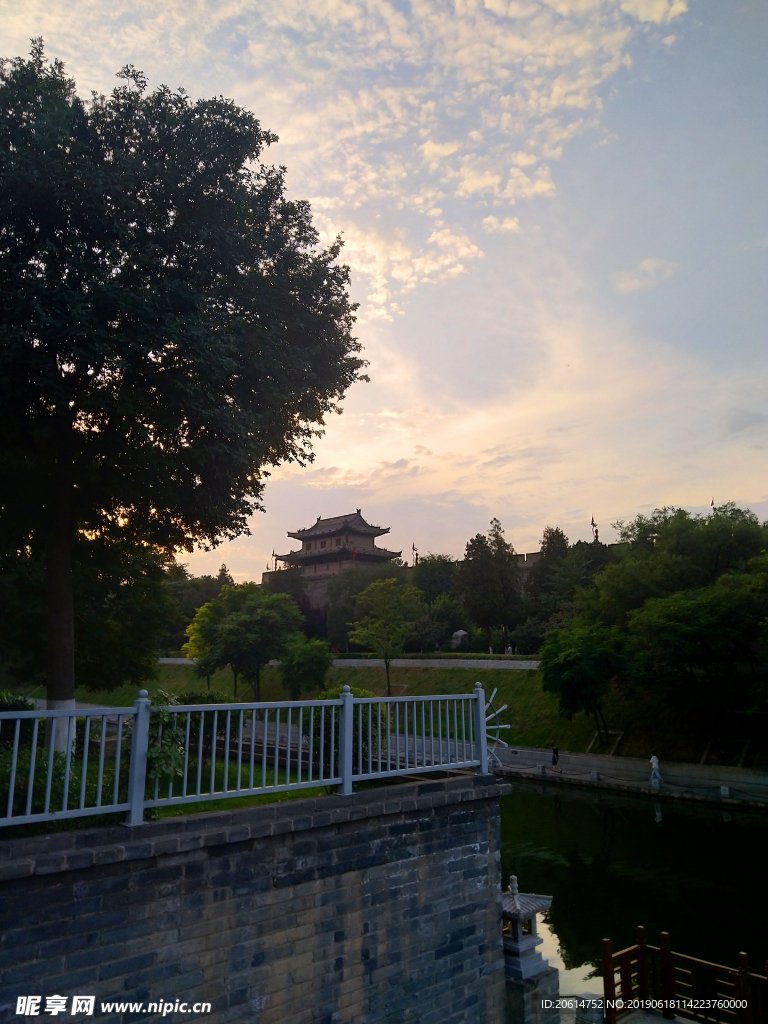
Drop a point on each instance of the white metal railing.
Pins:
(68, 764)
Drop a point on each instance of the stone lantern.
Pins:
(530, 979)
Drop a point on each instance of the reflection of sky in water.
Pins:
(612, 862)
(571, 982)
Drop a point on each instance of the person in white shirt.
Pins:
(655, 773)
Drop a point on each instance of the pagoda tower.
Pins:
(331, 546)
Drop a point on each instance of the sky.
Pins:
(556, 220)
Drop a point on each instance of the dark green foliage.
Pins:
(528, 637)
(245, 628)
(168, 328)
(122, 607)
(576, 570)
(683, 607)
(434, 575)
(488, 580)
(343, 591)
(304, 665)
(554, 548)
(693, 642)
(578, 663)
(715, 543)
(188, 593)
(386, 617)
(10, 702)
(621, 588)
(204, 697)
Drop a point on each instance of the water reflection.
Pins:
(574, 980)
(613, 862)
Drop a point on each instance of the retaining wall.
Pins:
(383, 906)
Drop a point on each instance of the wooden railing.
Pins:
(681, 985)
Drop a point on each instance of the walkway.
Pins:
(477, 663)
(733, 786)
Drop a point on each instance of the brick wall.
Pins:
(383, 906)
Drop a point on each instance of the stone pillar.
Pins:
(531, 983)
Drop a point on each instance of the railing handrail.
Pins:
(210, 752)
(250, 705)
(66, 713)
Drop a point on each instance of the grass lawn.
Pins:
(645, 720)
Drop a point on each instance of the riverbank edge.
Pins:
(602, 765)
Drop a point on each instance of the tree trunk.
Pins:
(605, 724)
(234, 676)
(257, 685)
(597, 723)
(386, 669)
(60, 604)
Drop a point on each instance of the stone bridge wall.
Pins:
(383, 906)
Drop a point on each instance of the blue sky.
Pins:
(556, 218)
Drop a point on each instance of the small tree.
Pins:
(243, 628)
(304, 665)
(386, 614)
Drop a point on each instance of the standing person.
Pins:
(655, 773)
(555, 758)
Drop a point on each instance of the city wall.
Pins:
(381, 906)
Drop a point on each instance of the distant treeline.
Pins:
(681, 601)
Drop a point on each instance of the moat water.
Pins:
(613, 862)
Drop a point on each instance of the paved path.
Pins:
(435, 663)
(477, 663)
(692, 781)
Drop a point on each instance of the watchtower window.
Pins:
(338, 542)
(322, 543)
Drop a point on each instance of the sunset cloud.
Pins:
(496, 169)
(648, 273)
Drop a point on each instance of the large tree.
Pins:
(488, 580)
(168, 326)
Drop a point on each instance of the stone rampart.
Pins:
(382, 906)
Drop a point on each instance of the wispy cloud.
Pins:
(495, 226)
(382, 110)
(648, 273)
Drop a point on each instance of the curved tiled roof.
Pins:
(352, 523)
(521, 906)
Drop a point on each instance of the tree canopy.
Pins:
(434, 575)
(304, 665)
(343, 591)
(169, 327)
(245, 628)
(386, 614)
(488, 580)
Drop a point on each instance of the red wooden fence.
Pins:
(686, 987)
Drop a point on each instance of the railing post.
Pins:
(642, 964)
(482, 738)
(667, 976)
(609, 981)
(743, 990)
(137, 772)
(346, 728)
